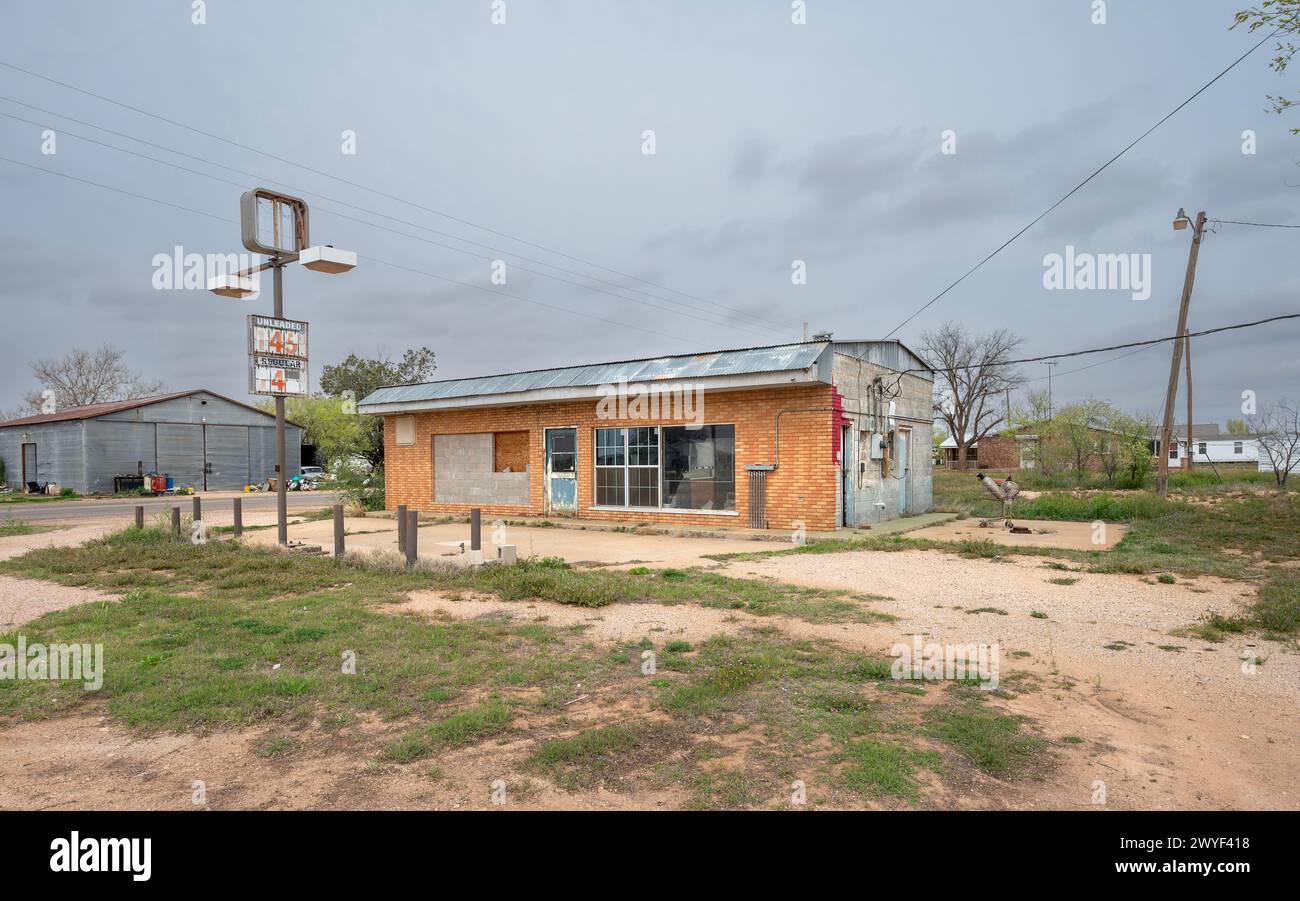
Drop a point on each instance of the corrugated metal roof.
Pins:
(776, 358)
(90, 411)
(889, 352)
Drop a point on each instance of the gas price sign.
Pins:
(277, 356)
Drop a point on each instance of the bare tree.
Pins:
(973, 378)
(1277, 431)
(83, 377)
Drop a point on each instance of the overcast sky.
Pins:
(774, 142)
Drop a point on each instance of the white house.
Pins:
(1210, 445)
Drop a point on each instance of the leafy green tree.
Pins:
(362, 375)
(1078, 428)
(329, 424)
(1128, 449)
(1035, 417)
(1238, 427)
(1282, 16)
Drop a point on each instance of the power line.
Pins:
(1096, 350)
(263, 179)
(1043, 378)
(340, 179)
(1072, 191)
(1254, 224)
(368, 258)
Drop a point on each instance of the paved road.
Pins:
(124, 508)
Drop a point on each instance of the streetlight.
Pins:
(276, 225)
(1181, 221)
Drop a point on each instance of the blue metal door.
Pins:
(561, 472)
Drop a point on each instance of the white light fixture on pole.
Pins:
(276, 225)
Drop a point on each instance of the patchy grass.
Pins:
(135, 559)
(603, 756)
(12, 527)
(465, 727)
(994, 741)
(876, 768)
(224, 636)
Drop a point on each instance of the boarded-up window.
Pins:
(510, 451)
(405, 428)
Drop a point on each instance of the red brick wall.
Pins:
(999, 452)
(802, 489)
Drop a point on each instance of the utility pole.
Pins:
(1171, 392)
(1188, 460)
(1051, 410)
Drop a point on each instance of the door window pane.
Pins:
(564, 455)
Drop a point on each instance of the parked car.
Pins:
(313, 473)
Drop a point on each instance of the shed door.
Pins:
(180, 453)
(227, 457)
(904, 470)
(29, 464)
(561, 471)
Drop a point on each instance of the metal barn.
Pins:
(201, 439)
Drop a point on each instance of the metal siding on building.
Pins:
(117, 448)
(194, 408)
(180, 453)
(60, 456)
(261, 451)
(227, 450)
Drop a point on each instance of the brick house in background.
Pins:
(824, 433)
(996, 451)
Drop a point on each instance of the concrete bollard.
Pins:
(239, 517)
(139, 516)
(176, 522)
(401, 528)
(476, 529)
(412, 537)
(338, 530)
(507, 553)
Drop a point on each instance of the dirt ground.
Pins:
(1079, 536)
(1162, 722)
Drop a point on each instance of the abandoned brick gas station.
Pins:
(826, 433)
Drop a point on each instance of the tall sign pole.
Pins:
(281, 470)
(275, 225)
(1171, 391)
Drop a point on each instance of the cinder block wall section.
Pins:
(467, 475)
(802, 489)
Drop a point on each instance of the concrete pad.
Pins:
(1077, 536)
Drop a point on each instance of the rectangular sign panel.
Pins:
(269, 374)
(279, 337)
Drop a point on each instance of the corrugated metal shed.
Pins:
(776, 358)
(197, 437)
